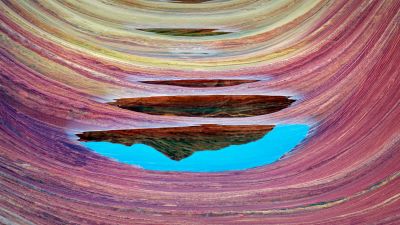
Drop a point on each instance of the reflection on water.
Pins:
(189, 1)
(200, 83)
(186, 32)
(206, 105)
(233, 155)
(180, 142)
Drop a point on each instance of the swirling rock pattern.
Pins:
(61, 61)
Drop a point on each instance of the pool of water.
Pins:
(266, 150)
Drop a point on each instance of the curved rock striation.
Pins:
(62, 61)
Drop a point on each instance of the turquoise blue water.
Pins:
(266, 150)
